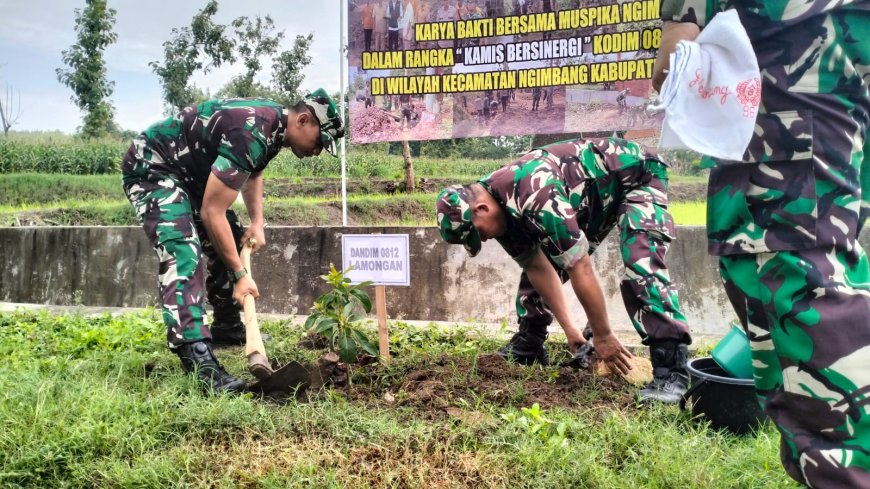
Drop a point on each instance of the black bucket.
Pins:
(728, 403)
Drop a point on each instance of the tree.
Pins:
(287, 68)
(255, 40)
(201, 46)
(683, 161)
(241, 86)
(410, 185)
(206, 45)
(286, 76)
(86, 75)
(9, 114)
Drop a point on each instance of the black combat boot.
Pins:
(198, 358)
(230, 334)
(227, 334)
(526, 347)
(670, 377)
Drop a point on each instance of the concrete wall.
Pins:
(115, 266)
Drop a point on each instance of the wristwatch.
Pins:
(235, 276)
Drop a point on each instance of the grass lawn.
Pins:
(689, 213)
(100, 402)
(53, 199)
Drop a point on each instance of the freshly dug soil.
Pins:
(437, 388)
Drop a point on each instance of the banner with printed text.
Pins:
(440, 69)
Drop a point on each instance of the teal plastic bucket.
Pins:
(733, 354)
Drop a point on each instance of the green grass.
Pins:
(679, 178)
(40, 188)
(367, 210)
(689, 213)
(70, 213)
(99, 200)
(366, 165)
(100, 402)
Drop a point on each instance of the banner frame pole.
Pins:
(341, 62)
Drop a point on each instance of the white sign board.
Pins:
(381, 258)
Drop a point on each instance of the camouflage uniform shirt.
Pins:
(230, 138)
(563, 198)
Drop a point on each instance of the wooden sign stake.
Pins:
(383, 332)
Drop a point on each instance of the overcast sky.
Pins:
(34, 32)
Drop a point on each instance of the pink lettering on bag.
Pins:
(749, 96)
(706, 91)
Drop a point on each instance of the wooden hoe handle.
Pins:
(258, 363)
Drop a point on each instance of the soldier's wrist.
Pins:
(237, 275)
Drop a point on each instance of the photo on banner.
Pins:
(441, 69)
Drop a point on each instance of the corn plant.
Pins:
(67, 158)
(335, 315)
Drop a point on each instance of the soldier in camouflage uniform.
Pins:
(785, 222)
(550, 210)
(182, 175)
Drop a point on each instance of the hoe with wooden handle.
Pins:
(258, 363)
(281, 383)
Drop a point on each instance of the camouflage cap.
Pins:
(324, 109)
(453, 212)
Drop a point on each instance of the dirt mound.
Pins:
(517, 119)
(313, 341)
(436, 388)
(492, 366)
(373, 124)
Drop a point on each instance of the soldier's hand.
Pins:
(245, 286)
(257, 233)
(672, 33)
(609, 349)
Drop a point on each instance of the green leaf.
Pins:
(311, 321)
(363, 298)
(326, 299)
(346, 348)
(364, 342)
(348, 309)
(356, 317)
(325, 325)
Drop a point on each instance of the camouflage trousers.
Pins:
(807, 314)
(188, 262)
(645, 231)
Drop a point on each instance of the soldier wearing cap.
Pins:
(182, 175)
(550, 210)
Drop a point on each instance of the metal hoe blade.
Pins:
(284, 382)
